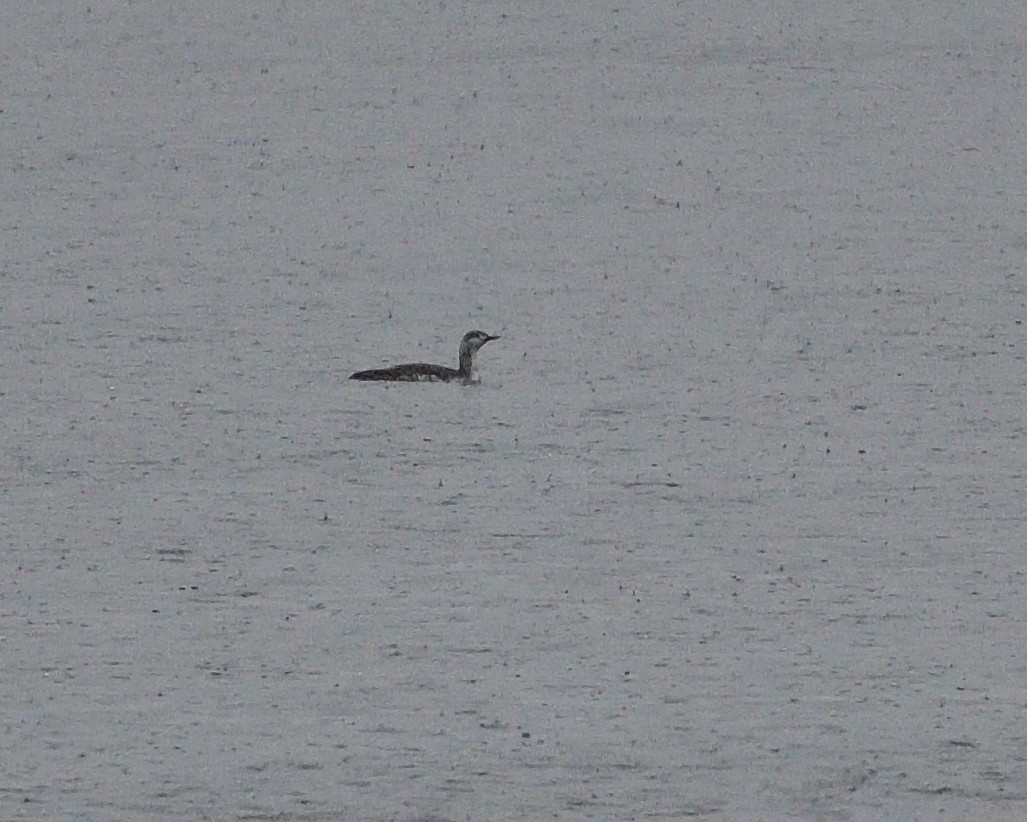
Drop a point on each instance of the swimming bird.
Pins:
(426, 372)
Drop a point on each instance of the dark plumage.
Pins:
(427, 372)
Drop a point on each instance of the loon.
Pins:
(426, 372)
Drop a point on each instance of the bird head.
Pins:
(473, 340)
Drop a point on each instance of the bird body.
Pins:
(427, 372)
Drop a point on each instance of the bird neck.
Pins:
(466, 361)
